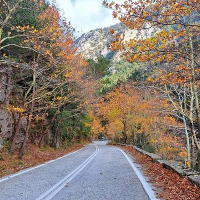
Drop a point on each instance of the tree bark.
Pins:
(186, 126)
(22, 149)
(125, 131)
(188, 143)
(194, 87)
(19, 123)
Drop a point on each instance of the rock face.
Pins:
(5, 117)
(97, 42)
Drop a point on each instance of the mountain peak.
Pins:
(96, 42)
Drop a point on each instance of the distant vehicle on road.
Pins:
(102, 138)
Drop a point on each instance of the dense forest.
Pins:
(40, 71)
(50, 95)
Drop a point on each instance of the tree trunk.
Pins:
(194, 87)
(42, 135)
(19, 123)
(193, 158)
(125, 132)
(198, 161)
(188, 143)
(186, 126)
(32, 86)
(9, 86)
(21, 151)
(41, 139)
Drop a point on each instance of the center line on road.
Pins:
(61, 184)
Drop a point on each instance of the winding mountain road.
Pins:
(96, 172)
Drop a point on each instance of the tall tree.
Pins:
(172, 47)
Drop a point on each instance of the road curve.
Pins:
(96, 172)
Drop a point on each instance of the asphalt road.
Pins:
(96, 172)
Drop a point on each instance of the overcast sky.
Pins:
(86, 15)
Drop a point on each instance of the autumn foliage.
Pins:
(166, 42)
(133, 115)
(39, 58)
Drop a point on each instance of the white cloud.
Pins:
(86, 15)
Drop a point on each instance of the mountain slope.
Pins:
(96, 43)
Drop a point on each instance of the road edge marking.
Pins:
(144, 183)
(49, 194)
(8, 177)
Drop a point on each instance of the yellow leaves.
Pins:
(12, 108)
(61, 98)
(145, 14)
(170, 147)
(179, 26)
(149, 79)
(68, 74)
(51, 29)
(94, 124)
(113, 113)
(161, 47)
(52, 40)
(34, 30)
(168, 57)
(166, 39)
(183, 154)
(39, 118)
(5, 56)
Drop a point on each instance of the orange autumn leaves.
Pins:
(166, 43)
(164, 29)
(52, 55)
(53, 39)
(129, 112)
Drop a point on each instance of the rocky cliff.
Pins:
(5, 116)
(97, 42)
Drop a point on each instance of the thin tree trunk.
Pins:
(9, 86)
(186, 128)
(188, 143)
(19, 123)
(42, 134)
(125, 132)
(40, 141)
(193, 158)
(134, 135)
(22, 149)
(194, 87)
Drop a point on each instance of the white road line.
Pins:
(69, 154)
(3, 179)
(145, 185)
(36, 167)
(25, 171)
(61, 184)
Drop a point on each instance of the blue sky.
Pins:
(86, 15)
